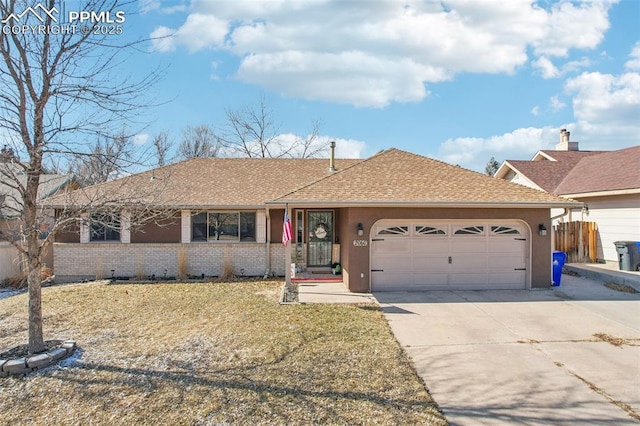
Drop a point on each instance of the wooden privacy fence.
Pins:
(577, 240)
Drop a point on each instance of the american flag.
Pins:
(286, 228)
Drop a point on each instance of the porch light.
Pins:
(542, 230)
(360, 230)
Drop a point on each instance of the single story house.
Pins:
(393, 221)
(606, 182)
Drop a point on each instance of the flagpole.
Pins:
(287, 252)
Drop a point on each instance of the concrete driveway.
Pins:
(524, 357)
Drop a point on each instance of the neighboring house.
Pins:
(394, 221)
(607, 182)
(12, 174)
(11, 203)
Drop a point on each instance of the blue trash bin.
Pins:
(558, 262)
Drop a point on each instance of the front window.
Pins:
(224, 226)
(105, 227)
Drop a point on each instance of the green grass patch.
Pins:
(211, 354)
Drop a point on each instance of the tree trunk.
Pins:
(36, 341)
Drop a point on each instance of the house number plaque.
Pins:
(360, 243)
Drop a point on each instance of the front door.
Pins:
(320, 237)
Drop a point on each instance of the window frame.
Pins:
(245, 228)
(105, 233)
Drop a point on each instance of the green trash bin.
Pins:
(628, 255)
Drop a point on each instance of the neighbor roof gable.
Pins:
(607, 171)
(548, 168)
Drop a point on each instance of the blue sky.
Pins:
(458, 80)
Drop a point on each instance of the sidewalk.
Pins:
(605, 273)
(329, 292)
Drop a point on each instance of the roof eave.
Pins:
(438, 204)
(630, 191)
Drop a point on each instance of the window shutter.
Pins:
(186, 227)
(84, 228)
(125, 227)
(261, 226)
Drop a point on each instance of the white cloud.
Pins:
(162, 39)
(140, 138)
(147, 6)
(535, 110)
(607, 107)
(214, 68)
(548, 70)
(473, 153)
(633, 64)
(349, 148)
(556, 104)
(375, 53)
(283, 143)
(200, 31)
(348, 77)
(570, 25)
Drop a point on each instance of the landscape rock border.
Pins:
(27, 364)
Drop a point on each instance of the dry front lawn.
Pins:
(208, 354)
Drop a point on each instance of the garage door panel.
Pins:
(430, 263)
(389, 281)
(505, 263)
(430, 246)
(505, 245)
(467, 280)
(507, 280)
(468, 245)
(429, 280)
(435, 256)
(392, 246)
(394, 263)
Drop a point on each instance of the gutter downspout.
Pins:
(565, 211)
(268, 245)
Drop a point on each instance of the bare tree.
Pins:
(58, 88)
(162, 146)
(108, 158)
(311, 146)
(198, 142)
(252, 132)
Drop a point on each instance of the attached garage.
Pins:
(407, 222)
(449, 255)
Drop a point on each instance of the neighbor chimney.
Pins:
(332, 156)
(565, 144)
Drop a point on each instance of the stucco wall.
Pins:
(73, 261)
(356, 259)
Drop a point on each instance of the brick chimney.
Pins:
(564, 144)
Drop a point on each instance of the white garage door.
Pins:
(413, 255)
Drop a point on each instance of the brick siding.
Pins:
(96, 260)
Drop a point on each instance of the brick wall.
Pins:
(277, 259)
(96, 260)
